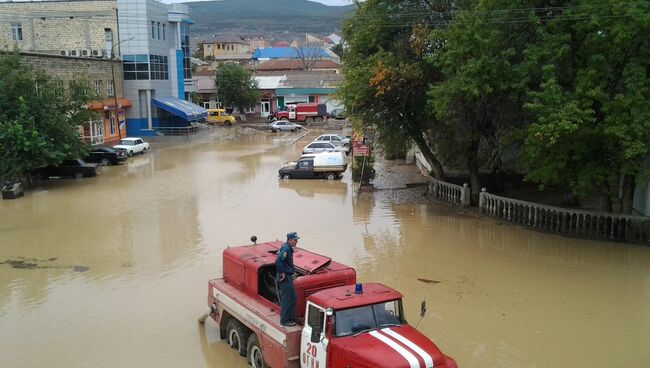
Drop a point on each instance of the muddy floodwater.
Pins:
(111, 271)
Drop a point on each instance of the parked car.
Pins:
(220, 116)
(106, 156)
(338, 113)
(283, 126)
(315, 147)
(328, 165)
(132, 145)
(337, 140)
(68, 168)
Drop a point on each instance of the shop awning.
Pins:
(182, 108)
(109, 104)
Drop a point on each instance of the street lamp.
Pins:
(115, 113)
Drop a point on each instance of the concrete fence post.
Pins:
(465, 196)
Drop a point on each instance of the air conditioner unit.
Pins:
(73, 53)
(98, 53)
(65, 53)
(84, 52)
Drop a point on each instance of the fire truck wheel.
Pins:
(237, 336)
(255, 357)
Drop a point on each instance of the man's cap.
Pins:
(293, 235)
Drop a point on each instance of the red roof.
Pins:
(343, 297)
(281, 44)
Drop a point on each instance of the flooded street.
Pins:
(112, 271)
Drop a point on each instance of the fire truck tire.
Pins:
(255, 357)
(237, 336)
(309, 120)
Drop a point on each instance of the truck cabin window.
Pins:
(368, 317)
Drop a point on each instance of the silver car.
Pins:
(315, 147)
(335, 139)
(283, 126)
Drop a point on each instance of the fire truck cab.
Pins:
(343, 324)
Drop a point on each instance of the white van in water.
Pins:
(327, 165)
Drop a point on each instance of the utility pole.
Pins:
(115, 112)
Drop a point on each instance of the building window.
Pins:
(153, 30)
(16, 31)
(164, 31)
(111, 122)
(110, 89)
(98, 87)
(158, 29)
(185, 46)
(159, 67)
(218, 46)
(250, 110)
(145, 67)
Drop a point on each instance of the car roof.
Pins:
(218, 110)
(130, 139)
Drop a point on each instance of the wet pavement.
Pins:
(111, 271)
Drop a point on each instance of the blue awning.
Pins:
(182, 108)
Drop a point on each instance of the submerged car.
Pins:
(106, 156)
(335, 139)
(220, 116)
(316, 147)
(283, 126)
(69, 168)
(132, 145)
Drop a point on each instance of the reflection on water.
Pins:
(111, 271)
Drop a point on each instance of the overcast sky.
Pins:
(326, 2)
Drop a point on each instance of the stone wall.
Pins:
(67, 69)
(53, 26)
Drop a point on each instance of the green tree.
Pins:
(485, 78)
(386, 69)
(236, 87)
(592, 111)
(39, 124)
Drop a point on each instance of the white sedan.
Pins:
(132, 145)
(316, 147)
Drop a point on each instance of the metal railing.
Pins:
(178, 131)
(590, 224)
(449, 193)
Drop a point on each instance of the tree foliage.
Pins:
(236, 86)
(386, 69)
(39, 124)
(592, 109)
(563, 82)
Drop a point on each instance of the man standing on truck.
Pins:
(284, 276)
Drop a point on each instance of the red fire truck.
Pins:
(343, 324)
(303, 112)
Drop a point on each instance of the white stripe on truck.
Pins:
(234, 306)
(428, 361)
(410, 358)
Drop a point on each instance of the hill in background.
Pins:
(279, 20)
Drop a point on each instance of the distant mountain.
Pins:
(280, 20)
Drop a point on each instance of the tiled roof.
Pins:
(296, 65)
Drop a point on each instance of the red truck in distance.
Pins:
(343, 323)
(303, 112)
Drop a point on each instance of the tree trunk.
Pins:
(436, 167)
(605, 202)
(472, 167)
(627, 201)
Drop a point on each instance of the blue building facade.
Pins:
(154, 39)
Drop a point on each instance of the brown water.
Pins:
(111, 271)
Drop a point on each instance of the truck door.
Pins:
(292, 113)
(304, 169)
(313, 344)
